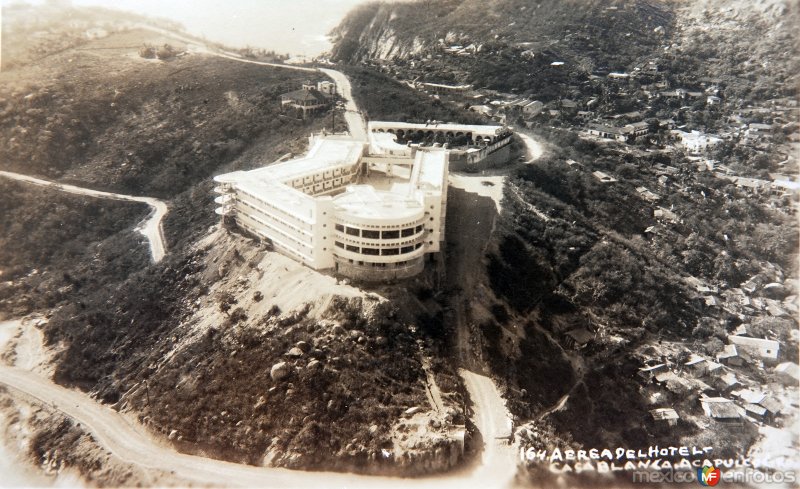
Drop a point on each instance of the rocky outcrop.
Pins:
(368, 33)
(574, 28)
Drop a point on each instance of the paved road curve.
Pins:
(150, 227)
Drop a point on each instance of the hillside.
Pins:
(142, 125)
(224, 347)
(610, 256)
(751, 47)
(53, 244)
(570, 30)
(510, 44)
(95, 113)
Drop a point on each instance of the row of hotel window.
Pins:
(274, 229)
(278, 219)
(294, 215)
(398, 264)
(378, 251)
(319, 177)
(261, 235)
(326, 186)
(386, 234)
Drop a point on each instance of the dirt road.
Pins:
(130, 442)
(471, 215)
(470, 222)
(150, 228)
(355, 121)
(535, 149)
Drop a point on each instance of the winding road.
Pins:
(150, 228)
(354, 118)
(132, 443)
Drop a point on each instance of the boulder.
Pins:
(280, 371)
(260, 403)
(295, 352)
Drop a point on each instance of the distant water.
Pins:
(296, 27)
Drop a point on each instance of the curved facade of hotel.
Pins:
(367, 210)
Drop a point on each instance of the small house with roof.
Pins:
(665, 415)
(788, 373)
(578, 338)
(766, 350)
(309, 99)
(721, 410)
(730, 356)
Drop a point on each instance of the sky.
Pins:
(286, 26)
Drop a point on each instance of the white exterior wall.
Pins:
(292, 205)
(292, 231)
(323, 233)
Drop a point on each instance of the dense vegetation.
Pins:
(53, 244)
(155, 131)
(518, 40)
(98, 115)
(380, 97)
(213, 385)
(592, 265)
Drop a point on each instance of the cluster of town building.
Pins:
(723, 384)
(742, 127)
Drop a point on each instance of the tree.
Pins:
(226, 301)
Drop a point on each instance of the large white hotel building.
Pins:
(367, 210)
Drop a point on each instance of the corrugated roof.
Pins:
(771, 405)
(305, 95)
(664, 413)
(789, 368)
(755, 409)
(719, 408)
(728, 351)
